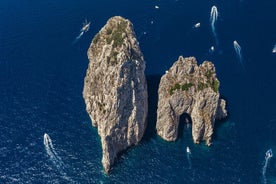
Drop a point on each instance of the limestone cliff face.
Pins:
(192, 89)
(115, 88)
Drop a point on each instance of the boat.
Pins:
(274, 49)
(85, 27)
(188, 150)
(269, 154)
(197, 25)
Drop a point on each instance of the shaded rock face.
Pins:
(115, 88)
(192, 89)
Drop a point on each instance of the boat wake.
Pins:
(188, 154)
(56, 160)
(213, 19)
(268, 155)
(52, 153)
(84, 29)
(78, 37)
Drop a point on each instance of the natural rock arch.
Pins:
(192, 89)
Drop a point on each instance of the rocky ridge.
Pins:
(115, 88)
(194, 90)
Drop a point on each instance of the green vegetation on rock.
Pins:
(116, 35)
(175, 87)
(209, 74)
(211, 82)
(215, 86)
(183, 87)
(202, 86)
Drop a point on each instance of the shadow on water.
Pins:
(219, 123)
(153, 84)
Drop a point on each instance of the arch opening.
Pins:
(185, 122)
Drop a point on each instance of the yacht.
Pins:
(188, 150)
(269, 154)
(85, 27)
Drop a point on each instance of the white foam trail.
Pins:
(213, 19)
(264, 170)
(267, 158)
(238, 51)
(52, 153)
(78, 37)
(188, 154)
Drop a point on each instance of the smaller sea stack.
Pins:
(194, 90)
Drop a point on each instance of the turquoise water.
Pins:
(41, 82)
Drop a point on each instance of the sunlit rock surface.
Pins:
(115, 88)
(192, 89)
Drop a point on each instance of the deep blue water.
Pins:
(41, 81)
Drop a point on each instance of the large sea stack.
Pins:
(115, 88)
(189, 89)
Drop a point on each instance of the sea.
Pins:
(46, 135)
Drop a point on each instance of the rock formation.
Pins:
(115, 88)
(192, 89)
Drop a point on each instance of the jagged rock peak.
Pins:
(115, 88)
(194, 90)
